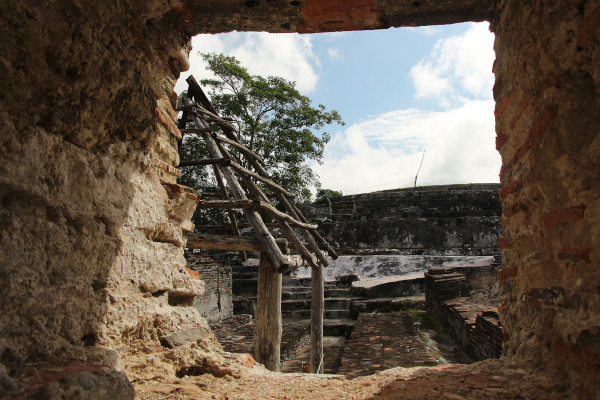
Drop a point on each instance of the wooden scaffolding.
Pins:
(239, 188)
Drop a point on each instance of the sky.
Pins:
(406, 95)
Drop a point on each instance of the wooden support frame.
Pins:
(222, 242)
(267, 339)
(279, 260)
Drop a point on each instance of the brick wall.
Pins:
(547, 96)
(216, 304)
(466, 304)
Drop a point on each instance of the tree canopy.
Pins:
(274, 120)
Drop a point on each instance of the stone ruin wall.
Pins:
(454, 220)
(217, 302)
(92, 225)
(92, 221)
(547, 94)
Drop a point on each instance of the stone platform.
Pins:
(383, 341)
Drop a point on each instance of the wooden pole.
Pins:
(316, 321)
(225, 196)
(267, 324)
(279, 260)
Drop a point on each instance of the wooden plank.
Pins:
(267, 323)
(279, 260)
(222, 242)
(316, 320)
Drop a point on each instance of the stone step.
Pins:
(330, 304)
(297, 289)
(327, 314)
(240, 286)
(244, 275)
(337, 292)
(387, 304)
(298, 295)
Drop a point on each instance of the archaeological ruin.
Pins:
(98, 300)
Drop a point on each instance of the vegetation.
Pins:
(273, 119)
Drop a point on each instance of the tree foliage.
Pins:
(323, 194)
(273, 119)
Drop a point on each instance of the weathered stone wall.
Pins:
(216, 303)
(92, 222)
(436, 220)
(547, 96)
(465, 300)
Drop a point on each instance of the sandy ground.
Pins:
(492, 379)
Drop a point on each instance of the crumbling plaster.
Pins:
(92, 245)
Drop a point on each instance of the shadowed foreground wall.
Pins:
(92, 221)
(547, 96)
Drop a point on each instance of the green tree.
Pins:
(273, 119)
(323, 194)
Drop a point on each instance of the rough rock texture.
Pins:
(308, 16)
(435, 220)
(547, 96)
(92, 223)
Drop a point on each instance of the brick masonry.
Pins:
(382, 341)
(465, 302)
(216, 304)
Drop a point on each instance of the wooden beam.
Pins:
(294, 212)
(267, 323)
(260, 178)
(316, 321)
(278, 214)
(249, 153)
(221, 242)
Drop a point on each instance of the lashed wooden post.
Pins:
(316, 320)
(267, 323)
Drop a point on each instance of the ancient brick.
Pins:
(589, 27)
(509, 272)
(503, 243)
(575, 254)
(522, 107)
(563, 215)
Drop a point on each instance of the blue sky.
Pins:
(400, 91)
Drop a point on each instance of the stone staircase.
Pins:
(296, 299)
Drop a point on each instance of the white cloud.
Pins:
(385, 151)
(287, 55)
(459, 68)
(424, 30)
(334, 54)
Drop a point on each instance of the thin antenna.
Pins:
(416, 176)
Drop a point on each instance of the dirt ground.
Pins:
(491, 379)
